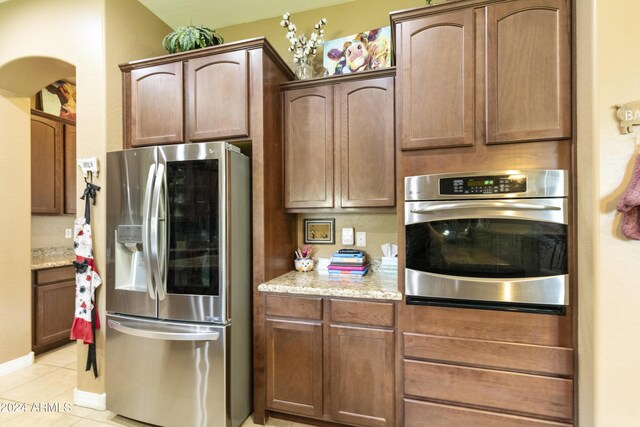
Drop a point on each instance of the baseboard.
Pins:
(90, 400)
(15, 364)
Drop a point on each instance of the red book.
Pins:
(348, 267)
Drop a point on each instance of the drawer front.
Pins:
(362, 313)
(301, 308)
(508, 391)
(416, 412)
(52, 275)
(493, 354)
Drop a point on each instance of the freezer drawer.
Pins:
(167, 373)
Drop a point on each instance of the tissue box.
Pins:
(389, 261)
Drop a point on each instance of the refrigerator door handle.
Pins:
(157, 265)
(146, 240)
(163, 335)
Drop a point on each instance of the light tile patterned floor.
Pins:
(48, 385)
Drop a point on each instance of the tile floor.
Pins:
(50, 381)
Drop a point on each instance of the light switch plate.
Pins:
(361, 238)
(67, 233)
(347, 236)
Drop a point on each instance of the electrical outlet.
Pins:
(361, 238)
(347, 236)
(67, 233)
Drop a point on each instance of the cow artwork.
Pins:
(363, 51)
(66, 94)
(628, 115)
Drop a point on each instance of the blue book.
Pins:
(354, 255)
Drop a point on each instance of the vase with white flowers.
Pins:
(303, 48)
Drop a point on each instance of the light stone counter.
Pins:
(372, 286)
(51, 257)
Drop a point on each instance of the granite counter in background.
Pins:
(372, 286)
(51, 257)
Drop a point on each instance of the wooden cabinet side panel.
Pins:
(308, 148)
(362, 376)
(528, 71)
(69, 169)
(437, 73)
(217, 96)
(416, 412)
(294, 367)
(156, 105)
(47, 153)
(367, 177)
(508, 391)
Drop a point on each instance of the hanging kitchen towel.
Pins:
(629, 204)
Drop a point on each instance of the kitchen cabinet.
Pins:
(493, 72)
(53, 167)
(200, 98)
(339, 142)
(322, 353)
(54, 292)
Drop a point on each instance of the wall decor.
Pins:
(58, 99)
(368, 50)
(628, 115)
(319, 231)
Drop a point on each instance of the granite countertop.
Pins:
(51, 257)
(374, 285)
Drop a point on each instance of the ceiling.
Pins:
(222, 13)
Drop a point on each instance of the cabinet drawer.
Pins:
(302, 308)
(508, 391)
(52, 275)
(362, 312)
(416, 412)
(494, 354)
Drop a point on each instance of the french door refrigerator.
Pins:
(178, 350)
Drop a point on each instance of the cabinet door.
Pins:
(294, 367)
(156, 105)
(367, 174)
(308, 147)
(528, 71)
(217, 96)
(69, 169)
(47, 153)
(362, 375)
(436, 80)
(54, 306)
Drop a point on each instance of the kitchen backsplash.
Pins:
(380, 228)
(47, 231)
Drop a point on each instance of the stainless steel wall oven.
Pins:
(492, 240)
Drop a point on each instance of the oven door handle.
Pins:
(486, 205)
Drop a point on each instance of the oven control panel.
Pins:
(494, 184)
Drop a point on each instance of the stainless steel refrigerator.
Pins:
(178, 350)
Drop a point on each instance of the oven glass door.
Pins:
(487, 247)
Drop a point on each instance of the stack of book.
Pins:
(348, 263)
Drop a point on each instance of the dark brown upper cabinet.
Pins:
(47, 165)
(70, 167)
(435, 58)
(528, 71)
(186, 97)
(217, 96)
(339, 142)
(493, 72)
(155, 116)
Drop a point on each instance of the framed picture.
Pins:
(368, 50)
(58, 99)
(319, 231)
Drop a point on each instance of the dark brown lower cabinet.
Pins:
(331, 359)
(54, 292)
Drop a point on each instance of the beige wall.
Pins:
(380, 228)
(47, 231)
(132, 33)
(609, 279)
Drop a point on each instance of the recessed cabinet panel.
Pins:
(157, 105)
(528, 71)
(367, 143)
(69, 169)
(437, 72)
(308, 146)
(47, 154)
(217, 96)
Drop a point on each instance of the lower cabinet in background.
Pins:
(54, 291)
(331, 359)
